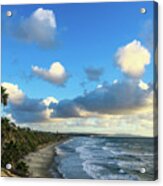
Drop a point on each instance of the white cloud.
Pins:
(10, 117)
(42, 15)
(24, 109)
(132, 59)
(136, 125)
(56, 74)
(48, 111)
(16, 95)
(115, 81)
(47, 101)
(99, 86)
(143, 85)
(39, 28)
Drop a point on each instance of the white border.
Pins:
(5, 2)
(52, 182)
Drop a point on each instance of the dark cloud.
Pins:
(64, 109)
(109, 99)
(117, 98)
(93, 74)
(29, 110)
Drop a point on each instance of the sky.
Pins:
(80, 67)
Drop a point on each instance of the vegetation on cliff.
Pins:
(16, 142)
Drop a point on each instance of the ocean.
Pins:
(107, 158)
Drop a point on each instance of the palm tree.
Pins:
(4, 96)
(5, 120)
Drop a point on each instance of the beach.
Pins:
(39, 162)
(93, 157)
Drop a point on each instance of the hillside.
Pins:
(18, 142)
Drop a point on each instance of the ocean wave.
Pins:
(123, 152)
(96, 158)
(92, 169)
(99, 172)
(84, 153)
(59, 151)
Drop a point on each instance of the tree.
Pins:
(22, 169)
(4, 96)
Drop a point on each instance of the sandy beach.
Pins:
(39, 162)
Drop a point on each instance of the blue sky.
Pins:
(86, 36)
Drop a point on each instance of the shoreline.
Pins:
(41, 162)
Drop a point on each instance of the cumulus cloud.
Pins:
(25, 109)
(16, 95)
(118, 98)
(118, 108)
(93, 74)
(56, 74)
(39, 28)
(30, 110)
(132, 59)
(65, 109)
